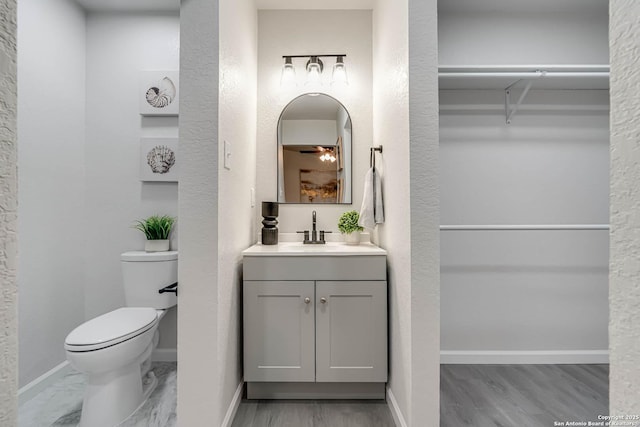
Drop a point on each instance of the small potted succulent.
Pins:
(157, 229)
(348, 225)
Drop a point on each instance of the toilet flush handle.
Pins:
(171, 288)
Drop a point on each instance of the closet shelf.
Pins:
(522, 78)
(551, 77)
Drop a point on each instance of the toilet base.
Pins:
(112, 397)
(110, 406)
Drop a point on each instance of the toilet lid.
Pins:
(111, 328)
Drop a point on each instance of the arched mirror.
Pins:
(314, 151)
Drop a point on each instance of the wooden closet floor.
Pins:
(313, 413)
(522, 395)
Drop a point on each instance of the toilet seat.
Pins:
(111, 328)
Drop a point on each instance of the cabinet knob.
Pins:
(307, 300)
(323, 300)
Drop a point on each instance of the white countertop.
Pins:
(300, 249)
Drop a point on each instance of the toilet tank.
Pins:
(144, 273)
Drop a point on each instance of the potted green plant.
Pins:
(157, 229)
(348, 225)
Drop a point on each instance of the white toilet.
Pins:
(114, 350)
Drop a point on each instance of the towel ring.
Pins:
(372, 155)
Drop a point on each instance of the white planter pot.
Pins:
(352, 238)
(156, 245)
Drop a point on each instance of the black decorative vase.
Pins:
(270, 231)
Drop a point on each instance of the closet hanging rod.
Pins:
(519, 227)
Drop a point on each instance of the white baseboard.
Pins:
(233, 406)
(398, 418)
(27, 392)
(524, 357)
(164, 355)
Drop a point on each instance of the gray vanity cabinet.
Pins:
(279, 337)
(319, 330)
(351, 331)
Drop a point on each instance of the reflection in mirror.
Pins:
(314, 151)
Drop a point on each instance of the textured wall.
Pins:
(391, 129)
(425, 213)
(236, 217)
(198, 382)
(8, 216)
(624, 278)
(406, 123)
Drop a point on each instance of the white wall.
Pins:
(119, 46)
(218, 65)
(624, 294)
(51, 85)
(507, 35)
(391, 129)
(524, 290)
(405, 123)
(299, 32)
(198, 382)
(8, 216)
(425, 213)
(236, 216)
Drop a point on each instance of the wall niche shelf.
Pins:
(517, 80)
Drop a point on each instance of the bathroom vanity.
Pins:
(315, 321)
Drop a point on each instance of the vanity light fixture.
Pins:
(314, 68)
(339, 75)
(288, 73)
(314, 71)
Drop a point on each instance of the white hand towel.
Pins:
(372, 210)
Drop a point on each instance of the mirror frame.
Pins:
(279, 158)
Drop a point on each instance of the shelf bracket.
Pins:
(510, 109)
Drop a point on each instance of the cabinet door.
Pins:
(279, 338)
(351, 331)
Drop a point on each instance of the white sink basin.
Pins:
(297, 247)
(300, 249)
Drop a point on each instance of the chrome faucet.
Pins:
(314, 233)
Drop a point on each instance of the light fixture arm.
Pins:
(336, 55)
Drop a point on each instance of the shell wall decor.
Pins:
(162, 94)
(159, 93)
(159, 159)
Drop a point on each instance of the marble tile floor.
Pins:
(60, 404)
